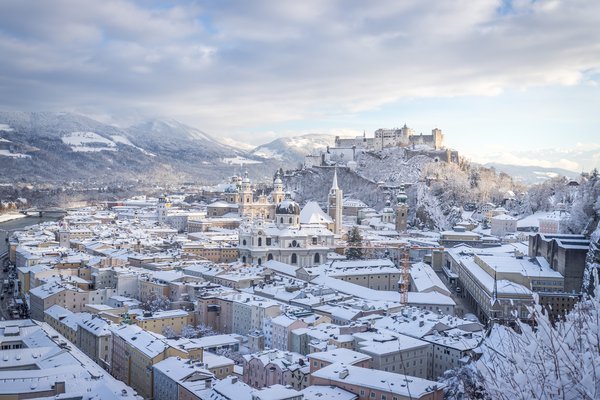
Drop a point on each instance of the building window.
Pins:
(294, 258)
(259, 241)
(269, 257)
(317, 258)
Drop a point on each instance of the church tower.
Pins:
(161, 209)
(401, 211)
(387, 216)
(335, 205)
(246, 196)
(278, 194)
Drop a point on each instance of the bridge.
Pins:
(45, 212)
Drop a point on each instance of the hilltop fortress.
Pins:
(346, 149)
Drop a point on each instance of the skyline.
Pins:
(507, 81)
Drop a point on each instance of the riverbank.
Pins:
(10, 217)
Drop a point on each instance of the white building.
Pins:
(503, 224)
(286, 240)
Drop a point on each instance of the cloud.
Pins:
(233, 65)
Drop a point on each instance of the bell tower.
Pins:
(278, 194)
(401, 210)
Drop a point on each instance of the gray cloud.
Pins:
(228, 65)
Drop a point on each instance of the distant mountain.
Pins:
(293, 149)
(172, 138)
(531, 174)
(65, 147)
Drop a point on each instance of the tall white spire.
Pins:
(335, 204)
(334, 185)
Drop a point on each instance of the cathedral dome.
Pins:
(288, 207)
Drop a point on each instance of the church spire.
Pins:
(334, 185)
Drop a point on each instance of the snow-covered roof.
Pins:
(403, 385)
(346, 356)
(313, 214)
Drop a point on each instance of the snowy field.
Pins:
(7, 153)
(88, 142)
(6, 128)
(92, 142)
(239, 160)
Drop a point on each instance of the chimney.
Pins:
(343, 373)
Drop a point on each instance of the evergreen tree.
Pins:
(354, 250)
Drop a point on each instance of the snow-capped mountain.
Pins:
(65, 146)
(293, 149)
(531, 174)
(170, 137)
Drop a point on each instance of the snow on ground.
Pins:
(239, 160)
(121, 139)
(6, 128)
(88, 142)
(265, 152)
(11, 216)
(125, 141)
(237, 144)
(7, 153)
(391, 166)
(92, 142)
(533, 220)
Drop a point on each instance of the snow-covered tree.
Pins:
(189, 331)
(560, 361)
(205, 330)
(156, 303)
(236, 356)
(464, 383)
(586, 205)
(354, 250)
(168, 332)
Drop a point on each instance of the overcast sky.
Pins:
(507, 81)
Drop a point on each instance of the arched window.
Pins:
(244, 259)
(317, 258)
(259, 241)
(269, 257)
(294, 258)
(281, 220)
(259, 261)
(244, 243)
(290, 220)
